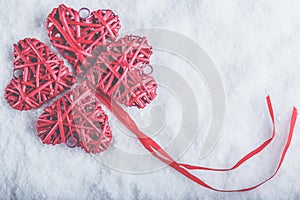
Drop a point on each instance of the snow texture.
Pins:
(255, 46)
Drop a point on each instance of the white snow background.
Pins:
(255, 46)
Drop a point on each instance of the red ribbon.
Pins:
(157, 151)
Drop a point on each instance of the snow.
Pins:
(255, 46)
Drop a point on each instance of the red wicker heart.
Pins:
(76, 37)
(77, 120)
(42, 76)
(134, 87)
(119, 72)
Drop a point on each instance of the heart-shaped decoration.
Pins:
(76, 36)
(120, 72)
(39, 75)
(77, 120)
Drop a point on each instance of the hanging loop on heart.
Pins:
(17, 73)
(147, 69)
(84, 13)
(72, 142)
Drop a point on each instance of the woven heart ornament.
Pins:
(120, 72)
(39, 75)
(76, 37)
(77, 120)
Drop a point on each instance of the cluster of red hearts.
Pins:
(101, 62)
(109, 71)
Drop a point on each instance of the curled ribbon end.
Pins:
(270, 108)
(295, 111)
